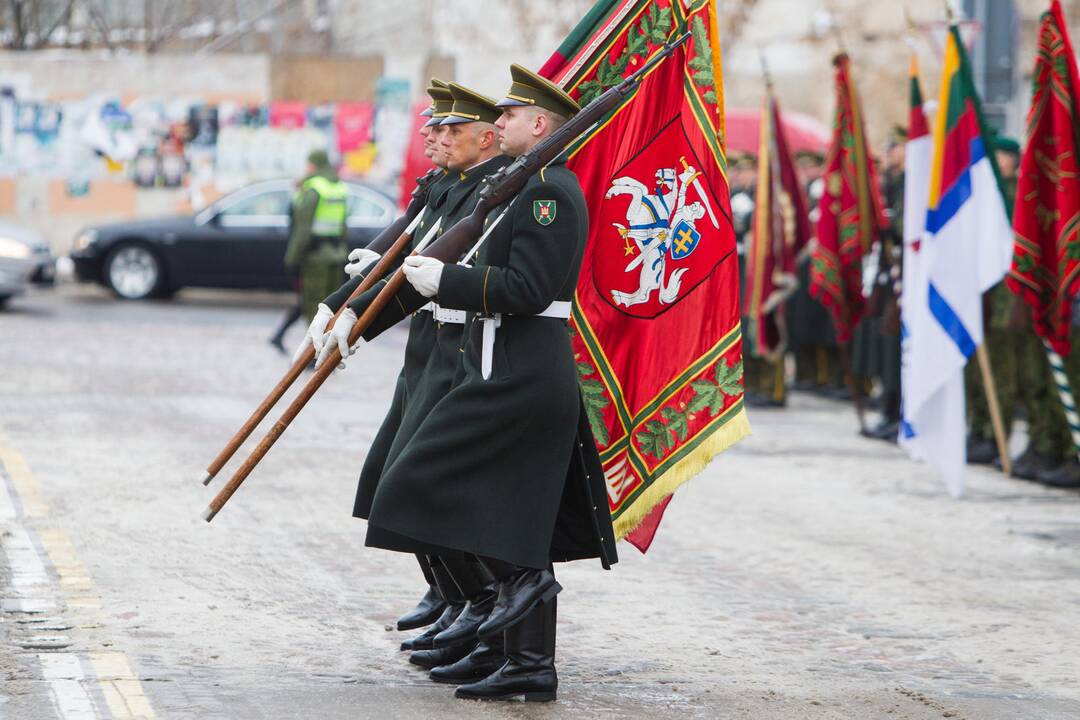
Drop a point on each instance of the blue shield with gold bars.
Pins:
(684, 238)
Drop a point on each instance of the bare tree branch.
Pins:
(64, 18)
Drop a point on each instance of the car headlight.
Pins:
(85, 239)
(13, 249)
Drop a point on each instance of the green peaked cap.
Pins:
(441, 102)
(527, 88)
(470, 106)
(435, 83)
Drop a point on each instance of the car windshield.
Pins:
(272, 202)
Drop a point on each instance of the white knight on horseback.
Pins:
(650, 219)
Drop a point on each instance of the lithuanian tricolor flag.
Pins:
(656, 314)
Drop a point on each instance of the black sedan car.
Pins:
(238, 242)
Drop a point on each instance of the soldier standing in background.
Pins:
(1021, 373)
(811, 336)
(876, 345)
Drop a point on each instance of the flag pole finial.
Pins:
(951, 12)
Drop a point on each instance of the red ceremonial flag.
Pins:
(656, 313)
(781, 231)
(1046, 220)
(851, 212)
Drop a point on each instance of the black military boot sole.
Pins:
(427, 611)
(495, 687)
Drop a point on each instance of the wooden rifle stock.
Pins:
(390, 243)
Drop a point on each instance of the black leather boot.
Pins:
(455, 604)
(981, 451)
(423, 641)
(427, 611)
(529, 670)
(1063, 476)
(430, 607)
(487, 657)
(518, 594)
(464, 629)
(429, 659)
(1031, 463)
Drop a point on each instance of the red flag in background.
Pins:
(851, 212)
(1046, 220)
(781, 231)
(416, 162)
(656, 313)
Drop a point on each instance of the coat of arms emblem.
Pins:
(660, 230)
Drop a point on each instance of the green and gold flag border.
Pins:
(711, 383)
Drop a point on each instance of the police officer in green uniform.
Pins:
(1019, 367)
(316, 246)
(504, 466)
(316, 250)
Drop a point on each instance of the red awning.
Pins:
(804, 133)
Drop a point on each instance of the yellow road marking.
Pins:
(26, 486)
(121, 688)
(123, 691)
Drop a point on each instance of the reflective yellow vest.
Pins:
(333, 207)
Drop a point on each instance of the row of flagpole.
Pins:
(959, 242)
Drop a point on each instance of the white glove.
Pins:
(314, 336)
(424, 274)
(359, 259)
(338, 337)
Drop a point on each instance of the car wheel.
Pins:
(134, 272)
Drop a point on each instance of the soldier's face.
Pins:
(438, 155)
(1007, 163)
(429, 142)
(515, 127)
(461, 143)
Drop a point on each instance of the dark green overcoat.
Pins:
(431, 352)
(506, 467)
(418, 348)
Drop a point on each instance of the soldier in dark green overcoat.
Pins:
(470, 140)
(418, 349)
(504, 466)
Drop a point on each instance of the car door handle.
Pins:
(170, 238)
